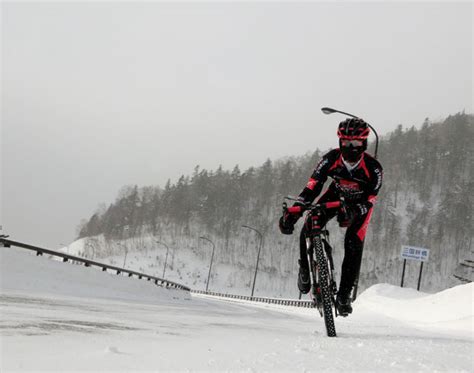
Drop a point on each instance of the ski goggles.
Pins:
(354, 143)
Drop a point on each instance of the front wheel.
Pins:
(324, 283)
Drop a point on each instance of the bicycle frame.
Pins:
(323, 286)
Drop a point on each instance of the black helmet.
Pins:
(353, 133)
(353, 129)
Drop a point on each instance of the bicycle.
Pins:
(323, 286)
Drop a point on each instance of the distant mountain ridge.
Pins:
(427, 200)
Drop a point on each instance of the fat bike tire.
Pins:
(325, 288)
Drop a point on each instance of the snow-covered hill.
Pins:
(188, 263)
(58, 316)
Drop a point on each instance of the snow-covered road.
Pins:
(57, 316)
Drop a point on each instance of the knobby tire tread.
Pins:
(325, 288)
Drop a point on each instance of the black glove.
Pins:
(287, 222)
(286, 225)
(350, 212)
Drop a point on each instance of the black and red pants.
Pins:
(353, 241)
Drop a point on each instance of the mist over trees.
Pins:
(426, 200)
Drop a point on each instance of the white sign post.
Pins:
(419, 254)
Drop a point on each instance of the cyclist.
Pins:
(357, 177)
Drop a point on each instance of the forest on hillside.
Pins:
(426, 200)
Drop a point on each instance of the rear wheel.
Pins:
(325, 285)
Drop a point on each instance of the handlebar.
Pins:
(302, 207)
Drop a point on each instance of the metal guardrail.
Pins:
(158, 281)
(283, 302)
(162, 282)
(89, 263)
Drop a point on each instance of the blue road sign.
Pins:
(415, 253)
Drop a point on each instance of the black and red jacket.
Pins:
(360, 185)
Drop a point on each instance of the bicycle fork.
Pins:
(333, 285)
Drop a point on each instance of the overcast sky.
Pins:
(99, 95)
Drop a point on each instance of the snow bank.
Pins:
(451, 309)
(22, 271)
(63, 317)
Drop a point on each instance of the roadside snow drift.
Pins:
(448, 310)
(58, 316)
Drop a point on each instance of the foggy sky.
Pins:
(99, 95)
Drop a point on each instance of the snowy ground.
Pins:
(59, 316)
